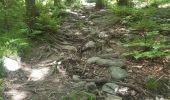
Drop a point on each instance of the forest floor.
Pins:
(58, 65)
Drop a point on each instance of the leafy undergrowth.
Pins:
(151, 74)
(12, 44)
(147, 46)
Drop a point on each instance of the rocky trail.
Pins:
(87, 57)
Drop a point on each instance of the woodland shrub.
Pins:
(48, 19)
(146, 40)
(148, 45)
(131, 15)
(145, 25)
(156, 85)
(12, 37)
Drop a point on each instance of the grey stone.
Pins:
(91, 86)
(93, 60)
(80, 84)
(90, 44)
(109, 55)
(76, 77)
(117, 73)
(70, 48)
(106, 62)
(113, 97)
(109, 50)
(103, 35)
(110, 88)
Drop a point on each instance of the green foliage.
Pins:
(48, 20)
(12, 37)
(154, 84)
(148, 42)
(131, 16)
(79, 95)
(151, 45)
(165, 27)
(11, 17)
(45, 21)
(145, 24)
(12, 44)
(123, 10)
(73, 3)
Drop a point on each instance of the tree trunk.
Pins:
(99, 4)
(123, 2)
(30, 14)
(6, 5)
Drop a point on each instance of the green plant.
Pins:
(79, 95)
(145, 25)
(48, 19)
(123, 10)
(116, 19)
(45, 21)
(149, 45)
(13, 43)
(154, 84)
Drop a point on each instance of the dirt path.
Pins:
(47, 73)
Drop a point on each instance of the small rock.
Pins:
(123, 90)
(93, 60)
(117, 43)
(90, 44)
(117, 73)
(103, 35)
(110, 88)
(70, 48)
(109, 50)
(91, 86)
(86, 31)
(106, 62)
(109, 55)
(80, 84)
(133, 93)
(76, 77)
(113, 97)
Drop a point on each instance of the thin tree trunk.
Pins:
(6, 20)
(99, 4)
(122, 2)
(30, 14)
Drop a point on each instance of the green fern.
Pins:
(154, 84)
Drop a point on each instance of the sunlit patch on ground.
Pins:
(71, 12)
(38, 74)
(11, 64)
(16, 94)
